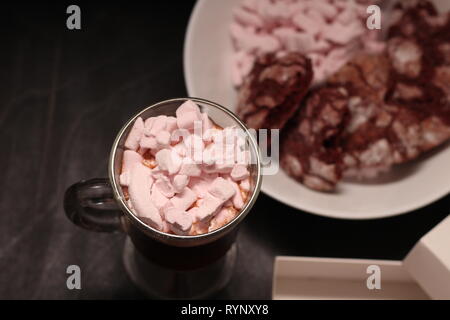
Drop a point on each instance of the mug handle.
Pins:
(90, 204)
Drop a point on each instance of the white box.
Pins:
(429, 261)
(424, 274)
(326, 278)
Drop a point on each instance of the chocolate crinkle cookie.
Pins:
(273, 90)
(419, 79)
(309, 147)
(364, 142)
(419, 52)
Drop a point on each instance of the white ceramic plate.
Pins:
(207, 54)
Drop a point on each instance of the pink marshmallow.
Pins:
(180, 181)
(245, 184)
(250, 5)
(208, 135)
(221, 189)
(133, 138)
(341, 4)
(189, 168)
(239, 172)
(246, 39)
(338, 55)
(240, 36)
(148, 123)
(193, 212)
(225, 162)
(320, 46)
(303, 43)
(224, 167)
(149, 143)
(316, 16)
(236, 199)
(334, 61)
(295, 41)
(158, 125)
(227, 136)
(373, 43)
(246, 64)
(179, 221)
(307, 24)
(236, 76)
(227, 159)
(319, 73)
(209, 206)
(171, 124)
(375, 46)
(209, 155)
(186, 120)
(210, 169)
(165, 187)
(178, 135)
(232, 135)
(200, 185)
(316, 59)
(243, 157)
(326, 9)
(361, 10)
(347, 16)
(207, 123)
(158, 199)
(180, 149)
(168, 160)
(139, 190)
(247, 18)
(187, 114)
(124, 179)
(157, 173)
(273, 11)
(241, 65)
(266, 43)
(194, 147)
(184, 199)
(130, 159)
(163, 139)
(284, 33)
(341, 34)
(189, 106)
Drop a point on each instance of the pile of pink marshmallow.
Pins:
(196, 178)
(327, 31)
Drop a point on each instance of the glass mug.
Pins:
(164, 265)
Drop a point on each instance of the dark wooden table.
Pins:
(64, 95)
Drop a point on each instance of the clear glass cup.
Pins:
(164, 265)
